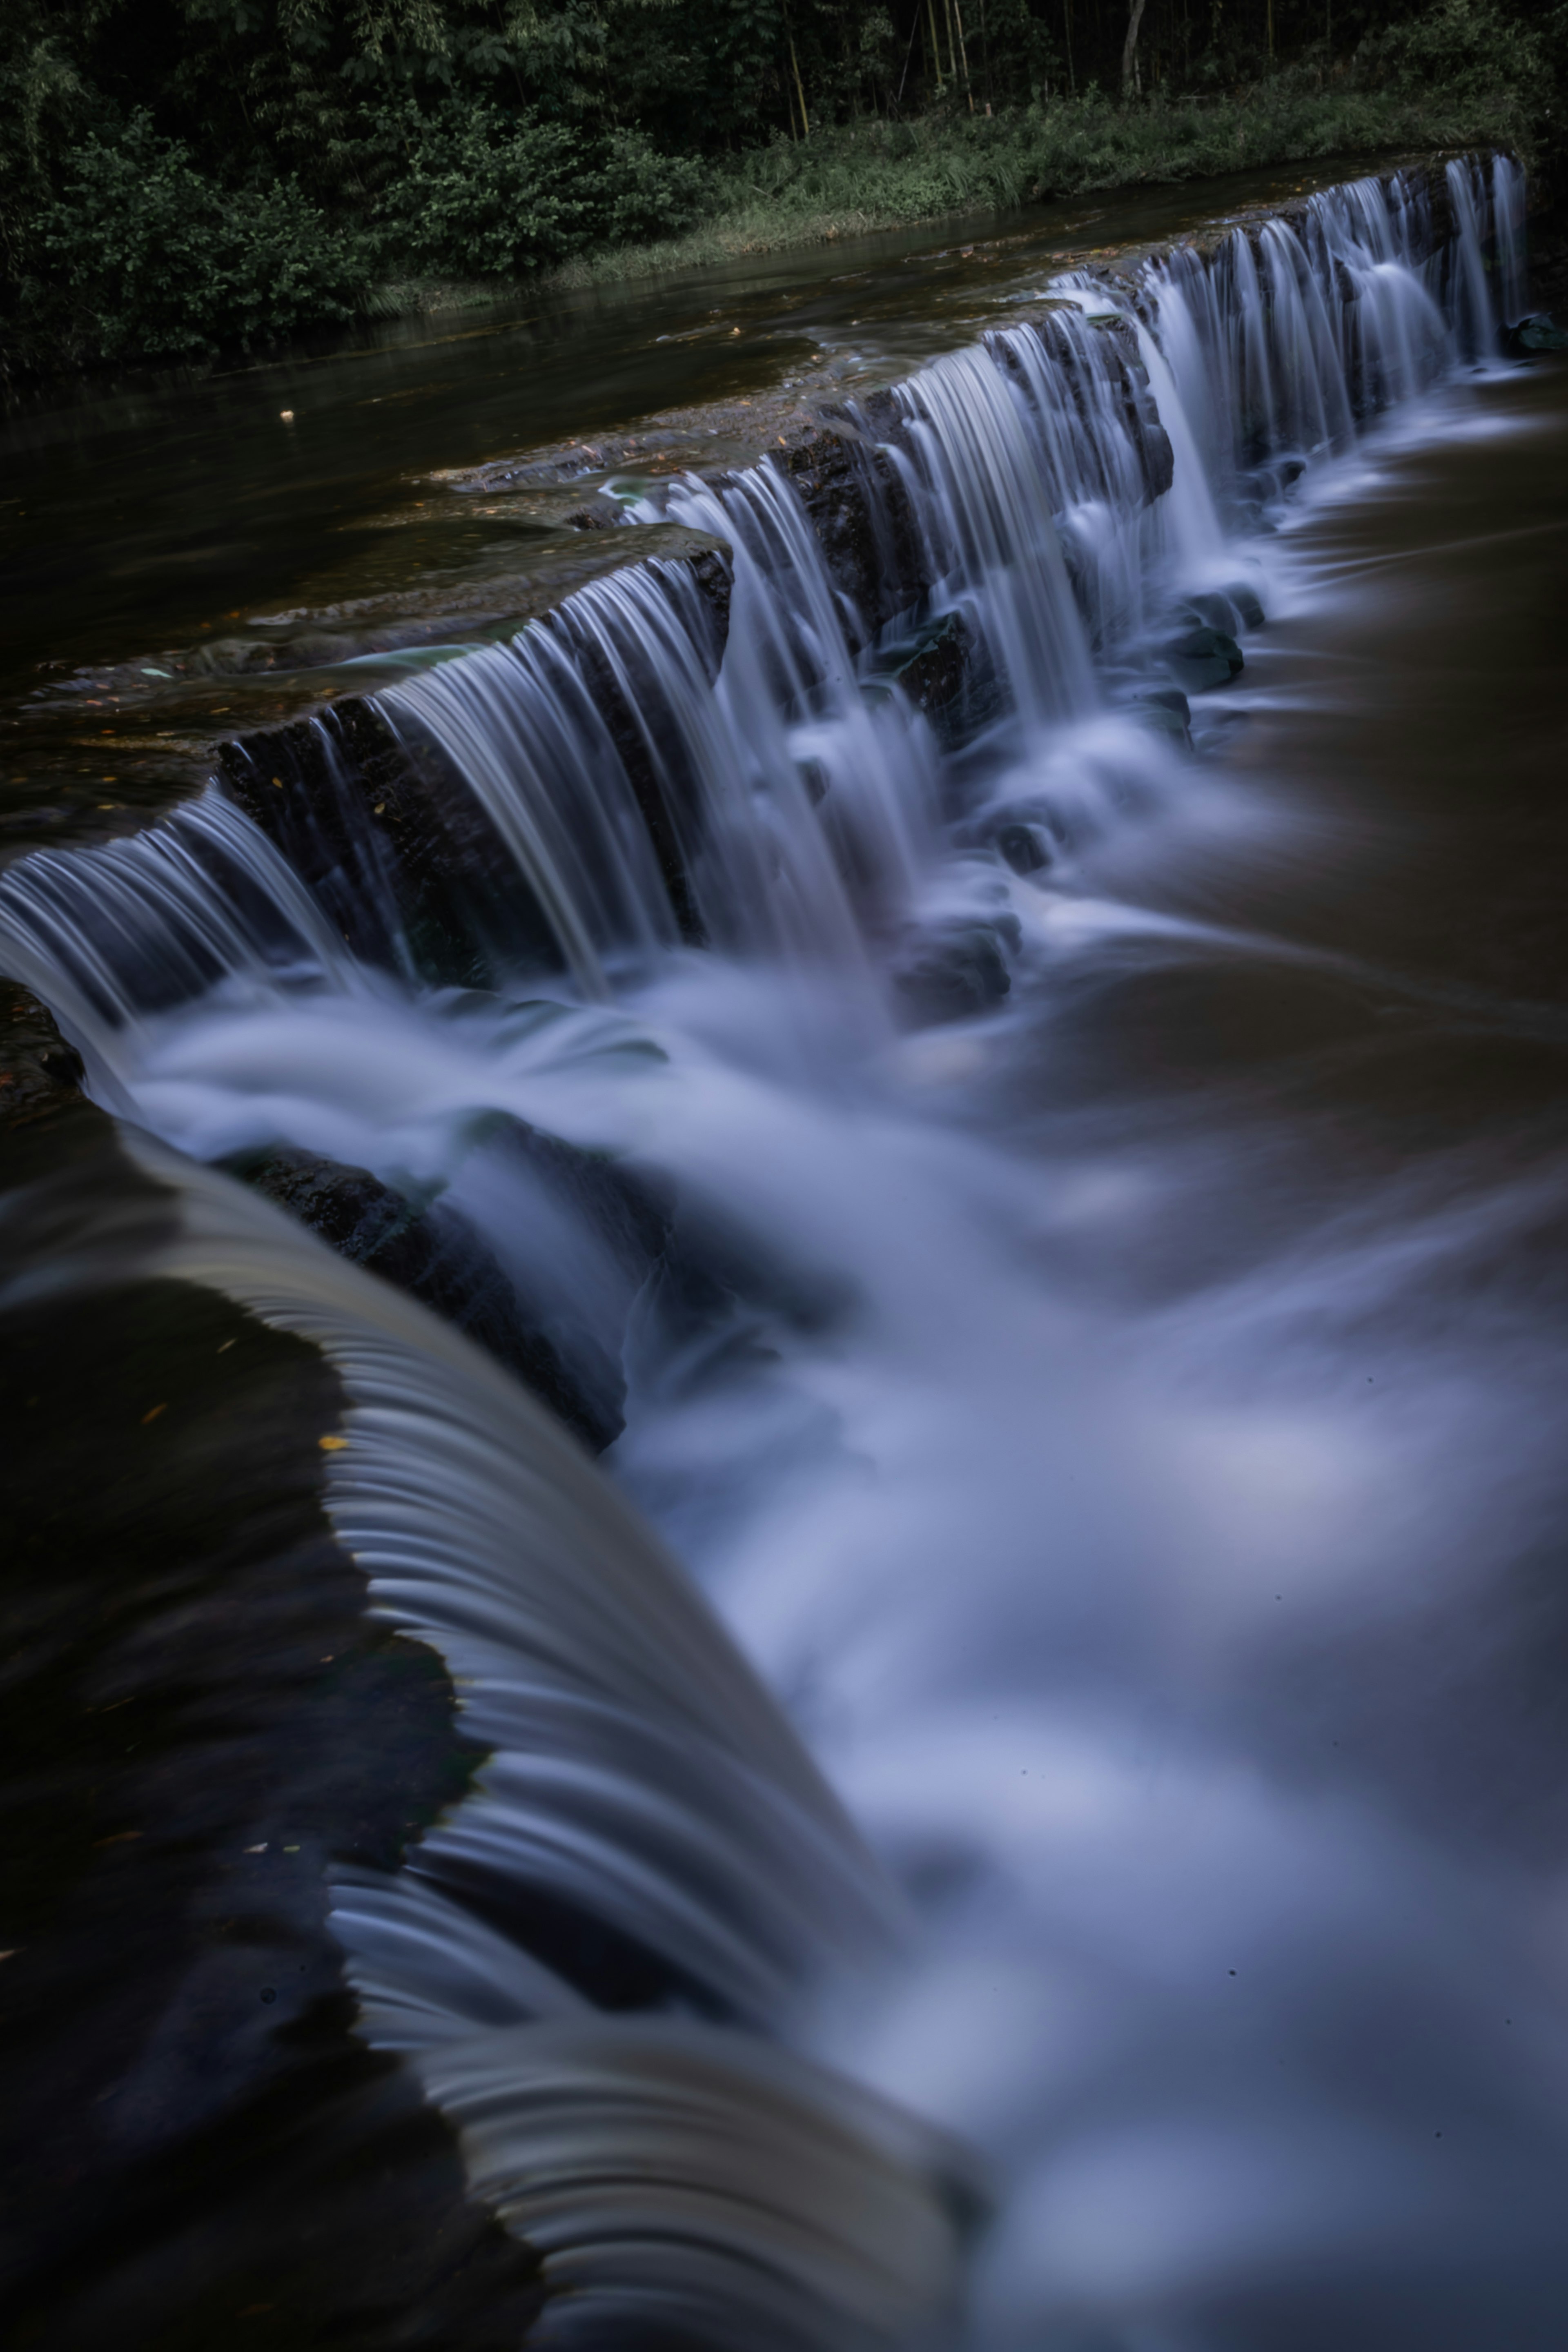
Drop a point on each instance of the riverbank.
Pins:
(864, 177)
(869, 176)
(174, 275)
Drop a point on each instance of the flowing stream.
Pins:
(1028, 1679)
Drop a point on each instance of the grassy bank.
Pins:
(846, 182)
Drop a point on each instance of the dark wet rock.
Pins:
(860, 511)
(588, 518)
(1024, 848)
(944, 667)
(630, 1219)
(309, 650)
(1528, 336)
(33, 820)
(1204, 658)
(936, 674)
(1212, 610)
(432, 1251)
(1032, 819)
(1229, 610)
(38, 1070)
(1165, 711)
(1140, 414)
(449, 609)
(958, 972)
(1245, 604)
(63, 1066)
(930, 659)
(388, 837)
(390, 841)
(201, 1720)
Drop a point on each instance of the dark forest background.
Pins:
(180, 177)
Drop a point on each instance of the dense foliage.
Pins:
(177, 176)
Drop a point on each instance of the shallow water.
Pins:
(1120, 1429)
(133, 519)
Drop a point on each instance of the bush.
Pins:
(1465, 49)
(142, 252)
(477, 192)
(642, 194)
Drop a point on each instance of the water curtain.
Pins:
(652, 770)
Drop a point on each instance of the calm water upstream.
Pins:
(996, 1051)
(131, 519)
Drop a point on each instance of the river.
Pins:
(1020, 1115)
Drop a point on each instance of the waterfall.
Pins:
(688, 843)
(642, 789)
(1293, 332)
(992, 531)
(112, 937)
(640, 1779)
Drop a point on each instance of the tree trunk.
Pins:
(800, 86)
(1129, 50)
(964, 53)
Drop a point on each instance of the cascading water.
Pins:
(858, 1404)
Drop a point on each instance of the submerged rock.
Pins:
(1229, 610)
(1024, 833)
(958, 972)
(1536, 333)
(432, 1251)
(1024, 848)
(1245, 604)
(933, 662)
(1204, 658)
(1166, 712)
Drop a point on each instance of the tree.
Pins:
(1130, 77)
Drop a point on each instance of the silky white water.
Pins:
(1030, 1461)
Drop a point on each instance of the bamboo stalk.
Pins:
(964, 53)
(909, 53)
(800, 86)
